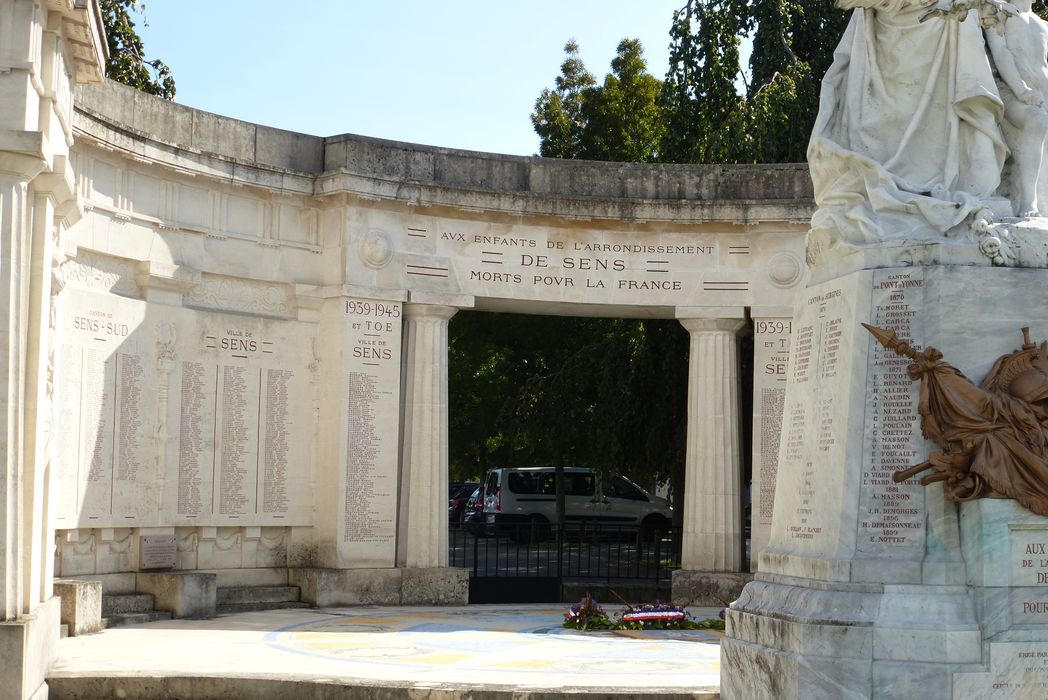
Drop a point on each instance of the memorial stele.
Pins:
(224, 346)
(925, 160)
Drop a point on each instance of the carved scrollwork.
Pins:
(241, 295)
(92, 271)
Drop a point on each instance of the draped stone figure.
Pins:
(908, 143)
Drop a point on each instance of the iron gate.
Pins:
(529, 564)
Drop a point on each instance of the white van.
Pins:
(528, 495)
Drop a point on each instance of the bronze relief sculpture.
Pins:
(994, 436)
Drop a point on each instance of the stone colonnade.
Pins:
(713, 535)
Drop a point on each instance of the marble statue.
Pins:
(1019, 54)
(909, 144)
(994, 436)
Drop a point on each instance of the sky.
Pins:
(456, 73)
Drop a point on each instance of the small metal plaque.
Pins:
(159, 552)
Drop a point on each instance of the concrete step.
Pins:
(230, 608)
(241, 595)
(134, 618)
(126, 603)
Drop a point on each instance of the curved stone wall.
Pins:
(240, 301)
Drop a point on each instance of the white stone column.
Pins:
(15, 236)
(422, 536)
(712, 503)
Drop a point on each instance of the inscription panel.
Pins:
(1029, 575)
(173, 416)
(850, 420)
(1017, 670)
(808, 495)
(771, 345)
(891, 516)
(372, 394)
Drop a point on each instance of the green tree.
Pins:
(708, 121)
(127, 63)
(558, 116)
(622, 119)
(528, 390)
(702, 106)
(619, 119)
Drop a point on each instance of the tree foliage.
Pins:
(622, 119)
(528, 391)
(619, 119)
(127, 63)
(558, 115)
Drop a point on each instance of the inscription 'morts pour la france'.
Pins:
(527, 261)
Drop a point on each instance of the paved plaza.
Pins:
(498, 649)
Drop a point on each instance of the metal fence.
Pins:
(521, 563)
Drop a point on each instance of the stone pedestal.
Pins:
(81, 605)
(871, 589)
(184, 595)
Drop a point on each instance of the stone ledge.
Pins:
(708, 588)
(184, 595)
(188, 687)
(332, 587)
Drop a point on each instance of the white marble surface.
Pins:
(896, 615)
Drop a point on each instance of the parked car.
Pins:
(528, 496)
(473, 520)
(458, 494)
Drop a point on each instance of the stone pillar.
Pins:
(15, 237)
(422, 537)
(712, 483)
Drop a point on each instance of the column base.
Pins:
(708, 588)
(28, 649)
(331, 587)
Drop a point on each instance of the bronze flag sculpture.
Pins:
(994, 437)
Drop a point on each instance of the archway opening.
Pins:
(575, 392)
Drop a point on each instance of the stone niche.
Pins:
(872, 589)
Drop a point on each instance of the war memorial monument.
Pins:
(224, 352)
(905, 554)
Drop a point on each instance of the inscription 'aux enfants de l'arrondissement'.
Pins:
(540, 268)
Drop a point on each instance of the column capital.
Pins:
(413, 311)
(713, 325)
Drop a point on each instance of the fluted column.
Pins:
(15, 237)
(712, 503)
(422, 538)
